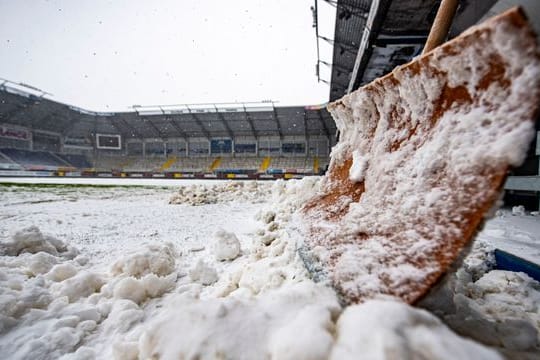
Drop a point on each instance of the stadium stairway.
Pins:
(62, 160)
(265, 164)
(167, 164)
(316, 165)
(215, 163)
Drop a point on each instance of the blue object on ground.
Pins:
(507, 261)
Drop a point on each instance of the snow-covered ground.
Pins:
(207, 269)
(516, 232)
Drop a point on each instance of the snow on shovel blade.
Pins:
(422, 157)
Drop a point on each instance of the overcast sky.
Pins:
(109, 55)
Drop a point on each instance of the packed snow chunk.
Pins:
(226, 245)
(500, 309)
(382, 329)
(235, 328)
(152, 259)
(307, 336)
(155, 286)
(51, 333)
(518, 210)
(131, 289)
(358, 167)
(82, 353)
(222, 192)
(126, 350)
(266, 216)
(138, 290)
(203, 273)
(32, 240)
(61, 272)
(122, 317)
(23, 297)
(81, 285)
(41, 263)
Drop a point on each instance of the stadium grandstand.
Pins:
(41, 137)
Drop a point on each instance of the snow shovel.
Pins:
(422, 158)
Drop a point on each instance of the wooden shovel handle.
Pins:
(441, 24)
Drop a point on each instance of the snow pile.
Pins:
(518, 210)
(221, 192)
(239, 328)
(381, 329)
(152, 259)
(226, 246)
(39, 287)
(31, 240)
(289, 316)
(160, 300)
(51, 303)
(497, 308)
(143, 274)
(203, 273)
(501, 309)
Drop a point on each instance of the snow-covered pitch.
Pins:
(209, 269)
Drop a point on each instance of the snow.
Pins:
(497, 308)
(358, 167)
(151, 259)
(518, 210)
(114, 279)
(393, 330)
(227, 246)
(31, 240)
(203, 273)
(516, 234)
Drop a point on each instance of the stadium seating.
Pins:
(7, 164)
(196, 164)
(77, 161)
(13, 159)
(239, 163)
(112, 163)
(153, 164)
(34, 159)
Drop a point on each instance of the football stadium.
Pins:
(395, 217)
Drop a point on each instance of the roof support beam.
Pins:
(222, 118)
(276, 119)
(114, 125)
(153, 126)
(131, 128)
(250, 123)
(199, 122)
(325, 128)
(181, 132)
(306, 133)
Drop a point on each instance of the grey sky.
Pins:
(108, 55)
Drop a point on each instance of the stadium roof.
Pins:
(371, 38)
(374, 36)
(23, 105)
